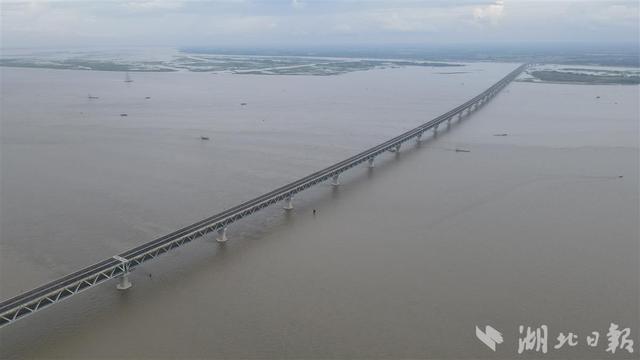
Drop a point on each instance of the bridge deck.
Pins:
(31, 301)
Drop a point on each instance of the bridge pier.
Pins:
(123, 279)
(435, 128)
(371, 164)
(288, 203)
(398, 148)
(335, 181)
(123, 282)
(222, 235)
(419, 137)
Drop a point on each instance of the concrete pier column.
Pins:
(371, 164)
(335, 181)
(435, 128)
(222, 235)
(419, 137)
(398, 148)
(123, 282)
(123, 279)
(288, 204)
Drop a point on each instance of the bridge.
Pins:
(119, 266)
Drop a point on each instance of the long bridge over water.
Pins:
(119, 266)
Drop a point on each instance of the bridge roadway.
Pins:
(120, 265)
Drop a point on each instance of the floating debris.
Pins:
(123, 114)
(204, 138)
(504, 134)
(462, 150)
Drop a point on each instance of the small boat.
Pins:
(92, 97)
(124, 114)
(243, 104)
(127, 78)
(147, 97)
(500, 134)
(462, 150)
(204, 138)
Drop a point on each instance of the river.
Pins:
(401, 261)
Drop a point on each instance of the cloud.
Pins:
(240, 25)
(405, 20)
(490, 14)
(146, 5)
(264, 22)
(297, 4)
(620, 14)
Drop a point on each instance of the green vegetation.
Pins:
(78, 64)
(255, 65)
(339, 67)
(605, 77)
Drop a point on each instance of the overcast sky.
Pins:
(280, 23)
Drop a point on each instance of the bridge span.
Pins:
(120, 265)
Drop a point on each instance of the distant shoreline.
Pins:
(584, 76)
(241, 65)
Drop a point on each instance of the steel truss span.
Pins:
(120, 265)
